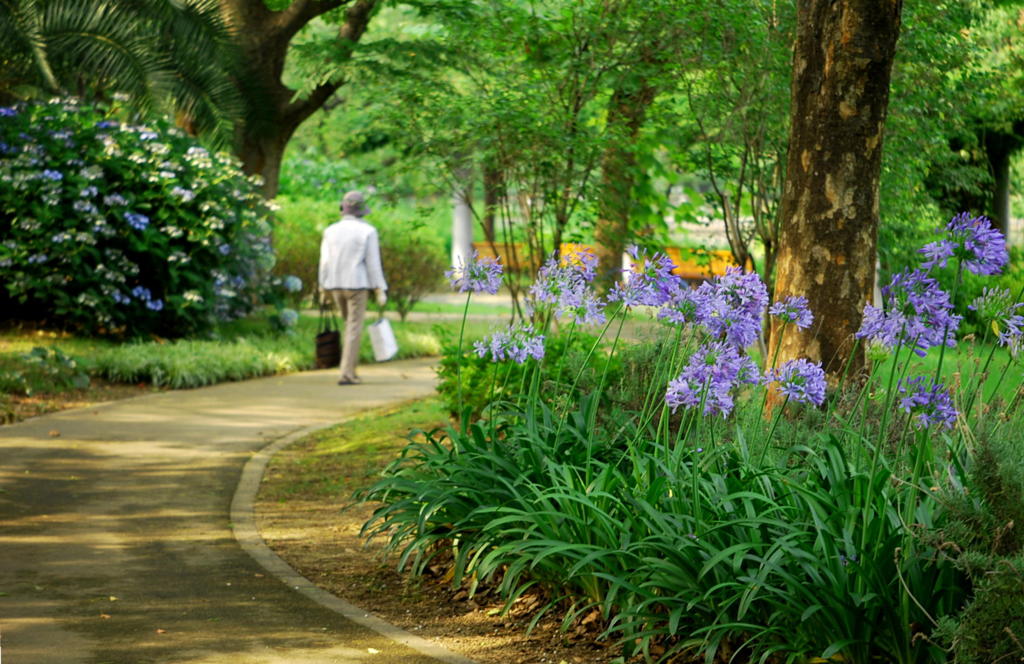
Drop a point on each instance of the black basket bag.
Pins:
(328, 340)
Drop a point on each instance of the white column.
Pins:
(462, 226)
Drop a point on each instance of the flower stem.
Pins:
(458, 364)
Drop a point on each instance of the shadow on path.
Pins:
(115, 537)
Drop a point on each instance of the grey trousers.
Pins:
(352, 307)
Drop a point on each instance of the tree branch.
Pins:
(301, 12)
(357, 19)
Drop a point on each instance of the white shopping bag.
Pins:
(383, 339)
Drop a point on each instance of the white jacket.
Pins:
(350, 256)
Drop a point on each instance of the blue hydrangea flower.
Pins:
(154, 305)
(801, 381)
(120, 298)
(917, 313)
(927, 403)
(50, 174)
(288, 317)
(142, 293)
(185, 195)
(479, 275)
(38, 259)
(136, 220)
(292, 284)
(972, 240)
(113, 200)
(517, 343)
(224, 249)
(793, 309)
(710, 376)
(8, 111)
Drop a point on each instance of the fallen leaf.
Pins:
(113, 598)
(54, 433)
(105, 616)
(373, 651)
(161, 631)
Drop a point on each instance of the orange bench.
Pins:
(701, 264)
(513, 256)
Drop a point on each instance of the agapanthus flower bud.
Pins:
(927, 403)
(478, 275)
(793, 309)
(801, 381)
(709, 377)
(517, 343)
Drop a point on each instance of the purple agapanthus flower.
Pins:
(732, 306)
(479, 275)
(709, 378)
(685, 305)
(8, 111)
(996, 307)
(136, 220)
(793, 309)
(517, 343)
(649, 282)
(801, 381)
(917, 313)
(927, 403)
(972, 240)
(565, 285)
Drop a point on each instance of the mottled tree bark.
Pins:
(273, 112)
(842, 63)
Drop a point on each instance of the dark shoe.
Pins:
(348, 381)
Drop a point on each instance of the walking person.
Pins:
(349, 269)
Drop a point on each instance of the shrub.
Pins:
(114, 228)
(413, 259)
(40, 370)
(674, 512)
(298, 227)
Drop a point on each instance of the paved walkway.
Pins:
(117, 541)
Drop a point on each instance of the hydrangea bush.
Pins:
(110, 227)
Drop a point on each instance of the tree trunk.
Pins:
(273, 114)
(627, 110)
(493, 194)
(842, 62)
(998, 149)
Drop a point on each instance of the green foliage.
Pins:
(298, 228)
(984, 530)
(311, 174)
(157, 55)
(113, 228)
(845, 532)
(414, 261)
(41, 370)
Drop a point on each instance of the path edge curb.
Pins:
(243, 525)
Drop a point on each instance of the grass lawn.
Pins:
(344, 458)
(33, 382)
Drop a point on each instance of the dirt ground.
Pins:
(321, 541)
(16, 407)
